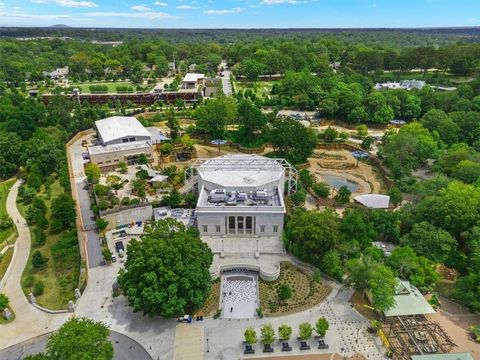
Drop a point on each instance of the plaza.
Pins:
(239, 294)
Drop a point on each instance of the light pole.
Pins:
(358, 330)
(208, 348)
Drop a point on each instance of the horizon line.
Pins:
(64, 27)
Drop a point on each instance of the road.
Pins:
(124, 348)
(155, 334)
(29, 321)
(95, 257)
(226, 85)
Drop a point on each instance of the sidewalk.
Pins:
(29, 321)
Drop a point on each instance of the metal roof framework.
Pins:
(415, 335)
(243, 162)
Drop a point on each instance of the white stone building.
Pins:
(240, 210)
(242, 195)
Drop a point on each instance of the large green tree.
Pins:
(293, 140)
(359, 273)
(80, 338)
(167, 272)
(63, 213)
(214, 117)
(429, 241)
(312, 233)
(409, 148)
(419, 270)
(382, 286)
(250, 119)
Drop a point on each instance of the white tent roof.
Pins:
(374, 201)
(118, 127)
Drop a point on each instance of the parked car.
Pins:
(114, 258)
(185, 319)
(119, 246)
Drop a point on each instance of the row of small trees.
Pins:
(267, 332)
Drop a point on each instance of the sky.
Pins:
(241, 13)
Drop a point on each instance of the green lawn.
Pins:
(4, 189)
(260, 87)
(60, 278)
(112, 86)
(4, 261)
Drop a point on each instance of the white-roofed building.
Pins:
(121, 138)
(240, 210)
(241, 195)
(373, 201)
(192, 80)
(59, 73)
(121, 129)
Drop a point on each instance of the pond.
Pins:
(337, 182)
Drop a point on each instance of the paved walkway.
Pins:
(226, 85)
(346, 324)
(189, 343)
(95, 257)
(29, 321)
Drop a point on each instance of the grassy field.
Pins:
(4, 189)
(112, 86)
(4, 261)
(260, 87)
(60, 278)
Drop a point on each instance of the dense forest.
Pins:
(391, 37)
(259, 55)
(439, 226)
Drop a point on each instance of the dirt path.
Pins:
(456, 327)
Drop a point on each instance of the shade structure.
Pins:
(218, 142)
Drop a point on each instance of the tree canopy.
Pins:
(167, 271)
(80, 338)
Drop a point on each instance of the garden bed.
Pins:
(306, 292)
(212, 303)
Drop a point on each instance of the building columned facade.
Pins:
(242, 195)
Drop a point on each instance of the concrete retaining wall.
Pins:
(264, 274)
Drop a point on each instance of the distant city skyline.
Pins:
(241, 13)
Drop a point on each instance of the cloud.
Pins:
(150, 15)
(278, 2)
(187, 7)
(68, 3)
(140, 8)
(23, 15)
(224, 11)
(159, 3)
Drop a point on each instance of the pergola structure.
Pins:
(414, 335)
(256, 162)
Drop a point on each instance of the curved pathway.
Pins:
(29, 321)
